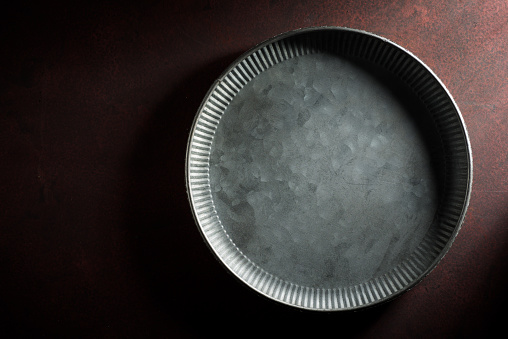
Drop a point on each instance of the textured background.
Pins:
(96, 101)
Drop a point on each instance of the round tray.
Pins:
(329, 169)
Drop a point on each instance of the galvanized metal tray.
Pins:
(329, 169)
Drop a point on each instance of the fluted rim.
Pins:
(439, 104)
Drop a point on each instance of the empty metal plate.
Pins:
(329, 169)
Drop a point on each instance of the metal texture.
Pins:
(329, 169)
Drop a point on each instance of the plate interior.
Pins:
(321, 174)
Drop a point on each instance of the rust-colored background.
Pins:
(96, 102)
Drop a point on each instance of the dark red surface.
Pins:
(96, 102)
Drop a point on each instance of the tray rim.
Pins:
(469, 179)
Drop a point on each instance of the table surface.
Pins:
(96, 103)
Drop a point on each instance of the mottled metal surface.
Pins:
(320, 175)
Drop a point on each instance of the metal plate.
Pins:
(329, 169)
